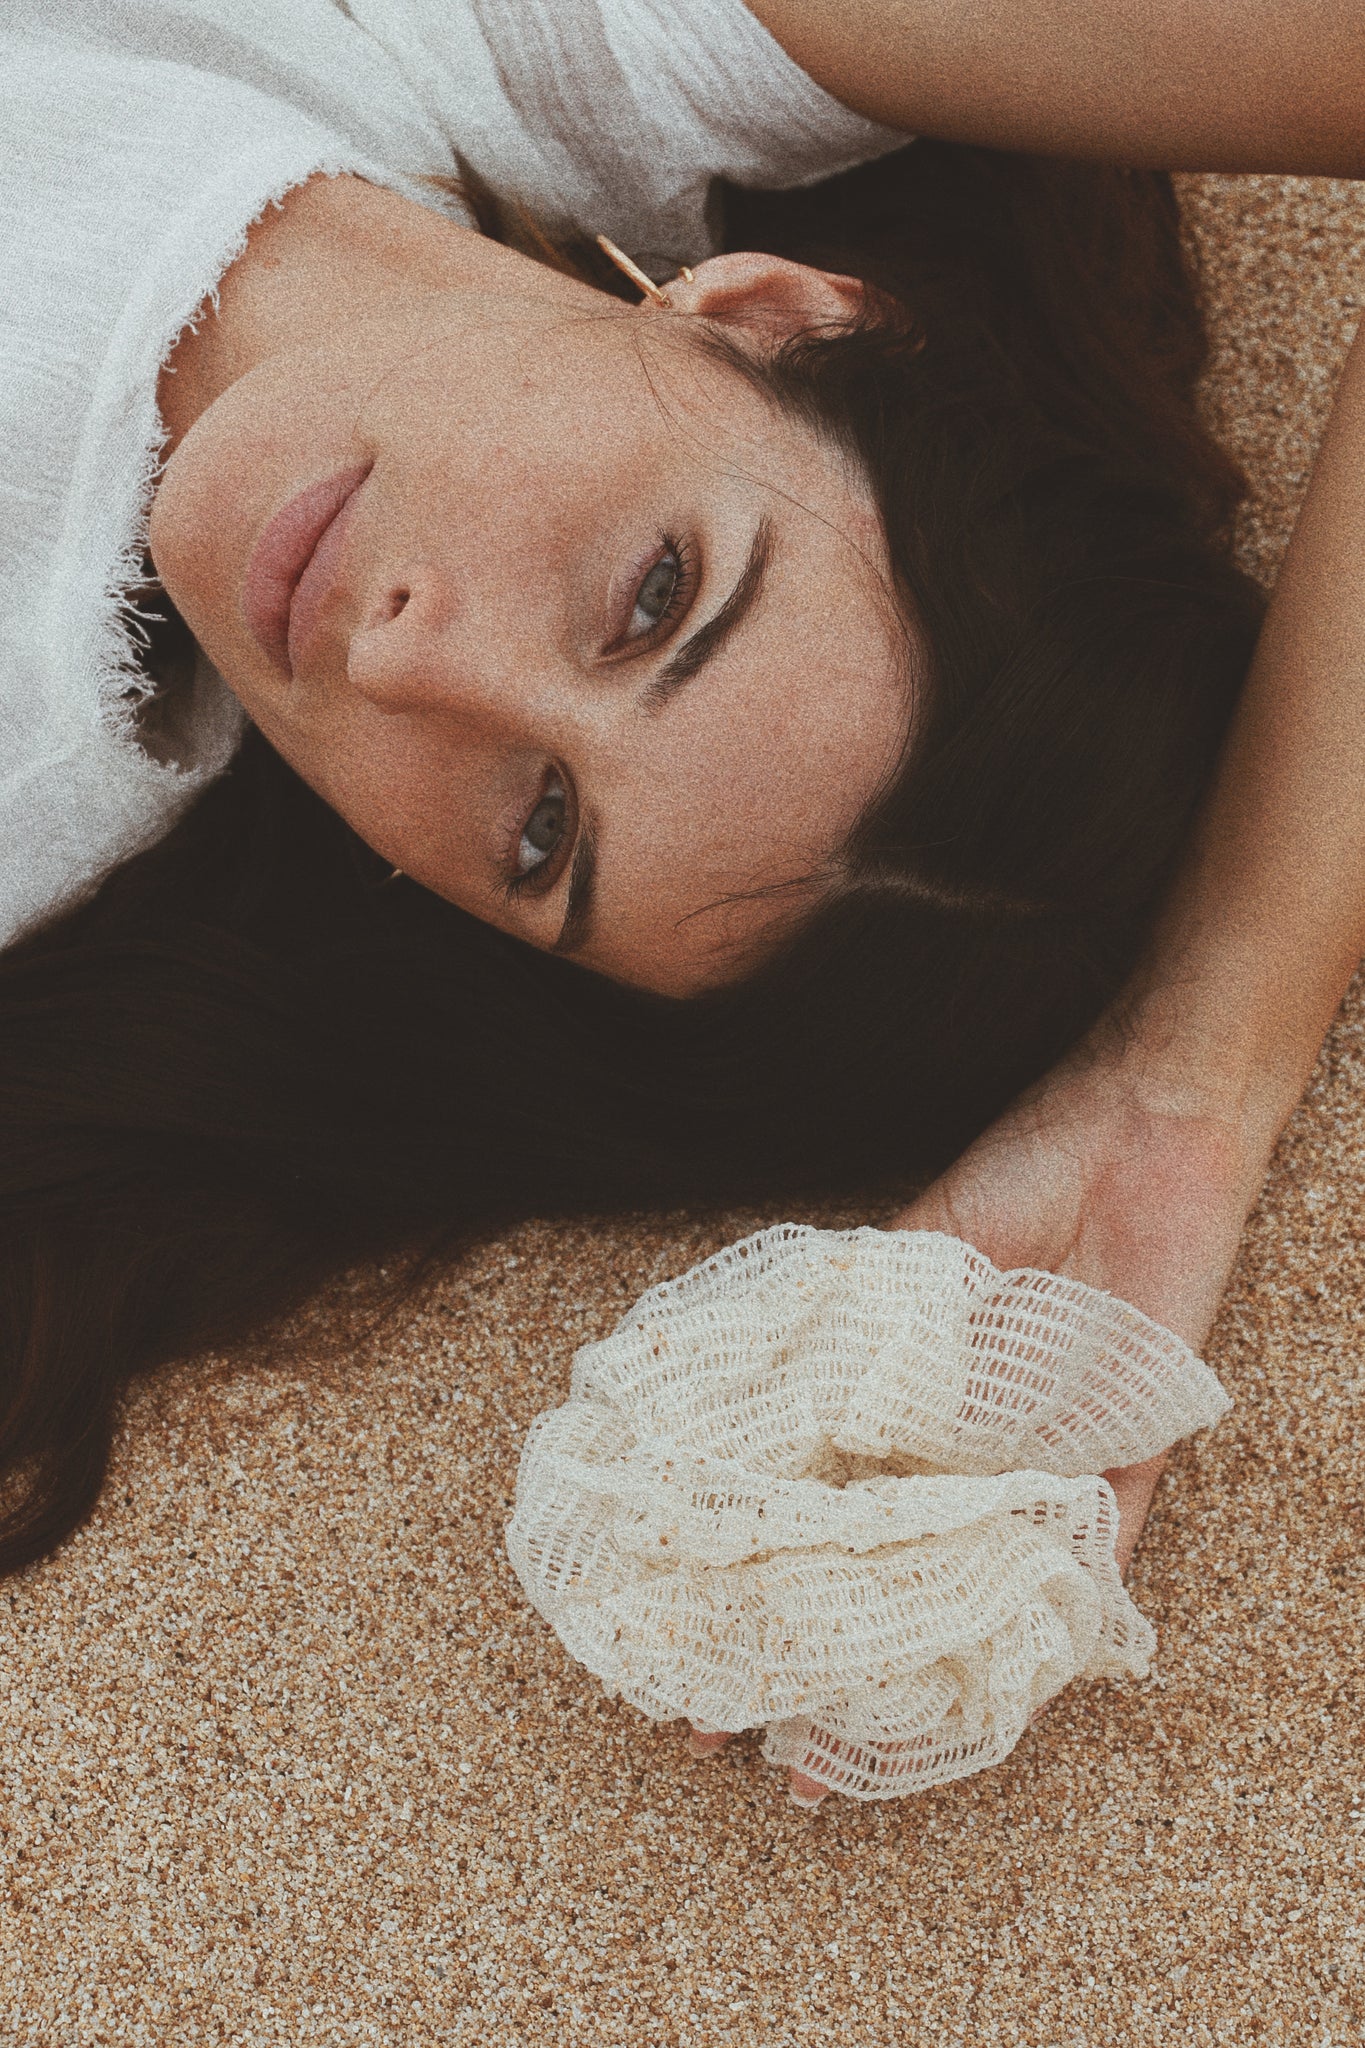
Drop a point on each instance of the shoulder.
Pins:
(617, 115)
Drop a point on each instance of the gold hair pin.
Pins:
(632, 270)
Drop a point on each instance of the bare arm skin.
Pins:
(1135, 1164)
(1207, 85)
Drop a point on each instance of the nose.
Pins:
(420, 650)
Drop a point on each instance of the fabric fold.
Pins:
(846, 1485)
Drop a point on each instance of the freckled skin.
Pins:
(532, 445)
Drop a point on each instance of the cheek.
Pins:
(716, 818)
(421, 804)
(274, 430)
(712, 846)
(770, 778)
(500, 433)
(182, 537)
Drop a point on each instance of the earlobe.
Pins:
(769, 297)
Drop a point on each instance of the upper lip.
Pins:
(292, 567)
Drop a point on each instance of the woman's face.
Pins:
(597, 645)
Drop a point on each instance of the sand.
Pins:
(287, 1759)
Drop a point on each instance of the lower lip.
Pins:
(290, 569)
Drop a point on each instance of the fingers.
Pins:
(705, 1745)
(1133, 1487)
(803, 1791)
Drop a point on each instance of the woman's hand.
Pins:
(1102, 1174)
(804, 1791)
(1133, 1166)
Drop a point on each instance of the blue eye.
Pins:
(543, 832)
(656, 593)
(664, 591)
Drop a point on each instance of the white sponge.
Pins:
(845, 1484)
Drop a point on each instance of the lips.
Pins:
(293, 566)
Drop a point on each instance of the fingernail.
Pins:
(805, 1800)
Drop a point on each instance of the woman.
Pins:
(253, 1055)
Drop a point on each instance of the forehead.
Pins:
(731, 809)
(734, 805)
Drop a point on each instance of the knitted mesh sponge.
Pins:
(845, 1484)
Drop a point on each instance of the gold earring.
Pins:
(633, 271)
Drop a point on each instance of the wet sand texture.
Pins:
(287, 1759)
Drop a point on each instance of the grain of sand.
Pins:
(288, 1760)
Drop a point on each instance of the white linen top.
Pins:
(141, 140)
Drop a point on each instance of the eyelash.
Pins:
(683, 591)
(680, 597)
(533, 881)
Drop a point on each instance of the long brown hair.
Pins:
(249, 1061)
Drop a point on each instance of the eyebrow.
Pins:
(705, 644)
(582, 877)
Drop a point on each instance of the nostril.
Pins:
(385, 607)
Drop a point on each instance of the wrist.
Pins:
(1222, 1097)
(1212, 1047)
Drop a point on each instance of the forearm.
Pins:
(1267, 923)
(1176, 84)
(1134, 1163)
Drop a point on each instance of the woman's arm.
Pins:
(1210, 85)
(1133, 1166)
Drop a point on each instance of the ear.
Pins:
(767, 297)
